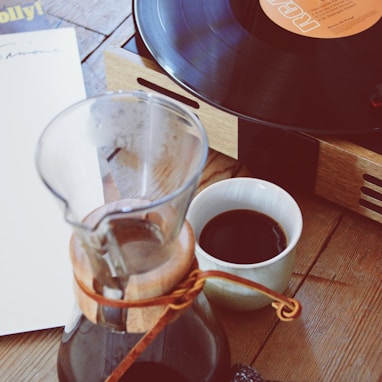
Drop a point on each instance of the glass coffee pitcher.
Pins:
(124, 167)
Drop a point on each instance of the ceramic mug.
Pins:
(275, 273)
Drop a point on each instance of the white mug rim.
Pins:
(291, 243)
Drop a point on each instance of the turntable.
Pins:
(300, 107)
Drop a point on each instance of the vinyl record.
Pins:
(230, 54)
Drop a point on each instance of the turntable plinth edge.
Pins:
(126, 70)
(350, 175)
(342, 172)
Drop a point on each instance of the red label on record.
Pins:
(323, 18)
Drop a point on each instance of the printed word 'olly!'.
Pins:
(19, 12)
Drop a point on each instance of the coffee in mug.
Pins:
(250, 228)
(243, 236)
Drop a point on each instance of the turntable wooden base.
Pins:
(334, 168)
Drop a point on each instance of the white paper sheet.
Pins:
(40, 75)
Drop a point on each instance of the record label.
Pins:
(323, 18)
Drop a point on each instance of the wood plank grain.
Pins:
(29, 356)
(103, 16)
(320, 220)
(338, 336)
(94, 67)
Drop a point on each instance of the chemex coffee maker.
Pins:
(290, 88)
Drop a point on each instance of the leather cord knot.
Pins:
(287, 309)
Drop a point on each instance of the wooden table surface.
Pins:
(337, 276)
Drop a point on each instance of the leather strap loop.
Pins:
(287, 309)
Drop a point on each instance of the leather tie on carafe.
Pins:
(151, 312)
